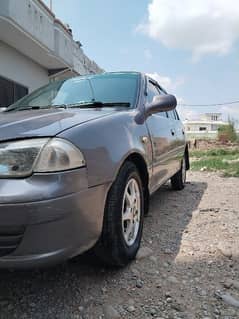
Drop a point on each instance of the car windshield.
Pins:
(101, 90)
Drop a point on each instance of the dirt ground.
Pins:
(187, 266)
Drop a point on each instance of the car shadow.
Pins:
(60, 291)
(169, 214)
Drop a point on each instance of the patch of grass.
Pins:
(224, 160)
(214, 152)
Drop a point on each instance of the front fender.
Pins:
(106, 143)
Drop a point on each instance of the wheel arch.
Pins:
(140, 163)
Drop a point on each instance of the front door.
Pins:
(163, 141)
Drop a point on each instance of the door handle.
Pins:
(172, 132)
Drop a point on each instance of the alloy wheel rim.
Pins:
(131, 212)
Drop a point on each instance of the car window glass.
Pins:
(161, 90)
(78, 91)
(171, 115)
(105, 88)
(115, 88)
(59, 92)
(164, 114)
(152, 92)
(176, 114)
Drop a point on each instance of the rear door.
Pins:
(162, 138)
(178, 146)
(178, 127)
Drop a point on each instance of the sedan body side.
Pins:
(62, 213)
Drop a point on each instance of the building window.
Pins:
(214, 127)
(10, 92)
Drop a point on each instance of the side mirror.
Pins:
(161, 103)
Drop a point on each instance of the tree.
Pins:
(227, 133)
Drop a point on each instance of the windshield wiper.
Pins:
(96, 104)
(36, 107)
(93, 104)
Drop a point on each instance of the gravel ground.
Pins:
(187, 266)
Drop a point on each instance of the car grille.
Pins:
(10, 238)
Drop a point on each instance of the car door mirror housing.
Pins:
(161, 103)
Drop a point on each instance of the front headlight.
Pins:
(22, 158)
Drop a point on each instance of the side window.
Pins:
(161, 90)
(177, 116)
(164, 114)
(151, 93)
(171, 115)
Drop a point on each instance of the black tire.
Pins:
(179, 179)
(112, 248)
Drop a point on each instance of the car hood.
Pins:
(44, 123)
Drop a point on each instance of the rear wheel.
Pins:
(179, 179)
(123, 220)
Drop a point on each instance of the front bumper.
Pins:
(48, 231)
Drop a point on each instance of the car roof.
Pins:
(105, 74)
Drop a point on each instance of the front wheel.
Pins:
(123, 219)
(179, 179)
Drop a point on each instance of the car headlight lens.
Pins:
(59, 155)
(22, 158)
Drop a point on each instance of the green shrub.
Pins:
(227, 133)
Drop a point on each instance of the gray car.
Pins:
(79, 159)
